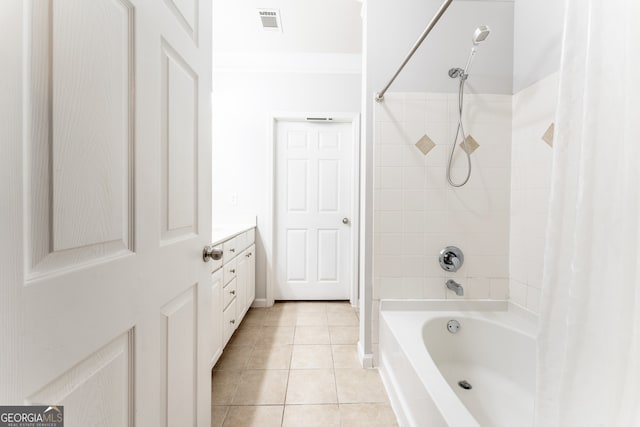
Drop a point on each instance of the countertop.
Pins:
(227, 231)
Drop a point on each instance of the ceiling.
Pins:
(308, 26)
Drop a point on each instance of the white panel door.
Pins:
(105, 301)
(313, 202)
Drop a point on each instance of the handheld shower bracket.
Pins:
(454, 73)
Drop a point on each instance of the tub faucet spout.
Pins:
(455, 287)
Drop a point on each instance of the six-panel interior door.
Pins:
(106, 139)
(313, 200)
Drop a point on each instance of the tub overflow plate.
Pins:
(453, 326)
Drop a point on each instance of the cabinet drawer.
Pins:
(229, 320)
(250, 252)
(230, 271)
(230, 248)
(241, 242)
(229, 292)
(250, 237)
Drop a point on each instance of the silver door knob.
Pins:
(345, 220)
(209, 252)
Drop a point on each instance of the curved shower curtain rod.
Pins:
(425, 33)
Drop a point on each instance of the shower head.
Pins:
(480, 34)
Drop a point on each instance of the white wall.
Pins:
(393, 28)
(538, 26)
(243, 103)
(328, 26)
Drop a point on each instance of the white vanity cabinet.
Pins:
(233, 284)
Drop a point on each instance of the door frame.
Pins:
(354, 119)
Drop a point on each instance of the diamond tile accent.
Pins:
(471, 145)
(425, 144)
(548, 135)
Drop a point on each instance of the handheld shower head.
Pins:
(480, 34)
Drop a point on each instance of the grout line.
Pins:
(286, 389)
(283, 404)
(335, 377)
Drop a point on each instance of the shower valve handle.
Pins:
(453, 261)
(451, 258)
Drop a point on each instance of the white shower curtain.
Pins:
(589, 338)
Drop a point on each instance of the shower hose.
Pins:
(460, 131)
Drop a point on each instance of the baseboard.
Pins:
(215, 359)
(366, 359)
(259, 303)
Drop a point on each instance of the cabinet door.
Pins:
(216, 316)
(242, 278)
(251, 275)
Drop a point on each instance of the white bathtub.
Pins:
(421, 363)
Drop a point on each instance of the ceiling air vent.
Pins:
(270, 19)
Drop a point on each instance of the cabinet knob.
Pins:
(249, 254)
(232, 250)
(232, 321)
(233, 270)
(232, 292)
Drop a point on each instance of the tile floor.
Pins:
(296, 364)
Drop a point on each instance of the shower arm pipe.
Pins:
(425, 33)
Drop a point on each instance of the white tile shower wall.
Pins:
(533, 112)
(417, 213)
